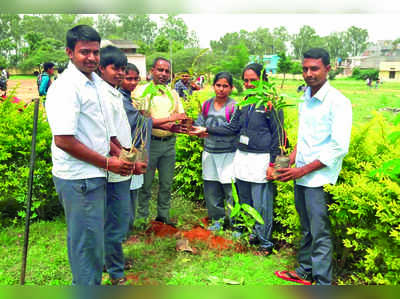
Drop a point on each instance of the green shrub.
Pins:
(365, 73)
(15, 146)
(188, 181)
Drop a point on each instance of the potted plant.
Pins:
(265, 93)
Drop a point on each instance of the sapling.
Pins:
(265, 94)
(243, 215)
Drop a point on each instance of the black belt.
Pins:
(166, 138)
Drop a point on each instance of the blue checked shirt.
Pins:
(324, 134)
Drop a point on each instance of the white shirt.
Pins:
(118, 122)
(324, 134)
(218, 167)
(251, 167)
(137, 182)
(74, 107)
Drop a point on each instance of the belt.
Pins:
(166, 138)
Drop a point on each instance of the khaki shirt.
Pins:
(160, 107)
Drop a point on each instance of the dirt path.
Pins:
(26, 89)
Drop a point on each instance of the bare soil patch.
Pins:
(26, 89)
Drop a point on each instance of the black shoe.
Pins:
(264, 251)
(253, 240)
(165, 221)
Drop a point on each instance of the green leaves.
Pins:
(153, 90)
(244, 215)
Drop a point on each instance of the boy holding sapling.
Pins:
(112, 70)
(140, 129)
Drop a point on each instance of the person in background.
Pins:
(80, 153)
(219, 151)
(3, 80)
(44, 79)
(325, 119)
(184, 86)
(128, 85)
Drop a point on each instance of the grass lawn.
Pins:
(155, 259)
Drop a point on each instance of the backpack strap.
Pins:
(206, 108)
(229, 109)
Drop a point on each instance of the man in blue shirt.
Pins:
(325, 119)
(184, 86)
(44, 80)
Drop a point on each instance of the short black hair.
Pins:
(131, 67)
(81, 33)
(318, 53)
(112, 55)
(257, 68)
(224, 75)
(47, 66)
(158, 59)
(61, 68)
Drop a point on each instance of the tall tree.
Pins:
(137, 28)
(260, 42)
(306, 38)
(336, 45)
(175, 29)
(356, 40)
(280, 36)
(285, 65)
(107, 26)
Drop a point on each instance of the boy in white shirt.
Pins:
(112, 70)
(80, 153)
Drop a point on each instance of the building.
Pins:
(130, 50)
(270, 62)
(387, 65)
(389, 70)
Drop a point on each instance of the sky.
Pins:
(213, 26)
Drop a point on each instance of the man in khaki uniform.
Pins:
(162, 146)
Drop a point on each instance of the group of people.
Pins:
(94, 119)
(242, 144)
(94, 109)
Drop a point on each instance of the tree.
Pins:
(161, 43)
(175, 29)
(107, 26)
(137, 28)
(304, 40)
(260, 42)
(280, 37)
(336, 45)
(40, 50)
(234, 61)
(356, 40)
(285, 65)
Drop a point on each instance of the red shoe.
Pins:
(292, 276)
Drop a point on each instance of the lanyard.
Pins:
(249, 113)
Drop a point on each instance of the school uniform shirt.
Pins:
(75, 107)
(324, 134)
(219, 151)
(137, 182)
(161, 107)
(251, 167)
(118, 122)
